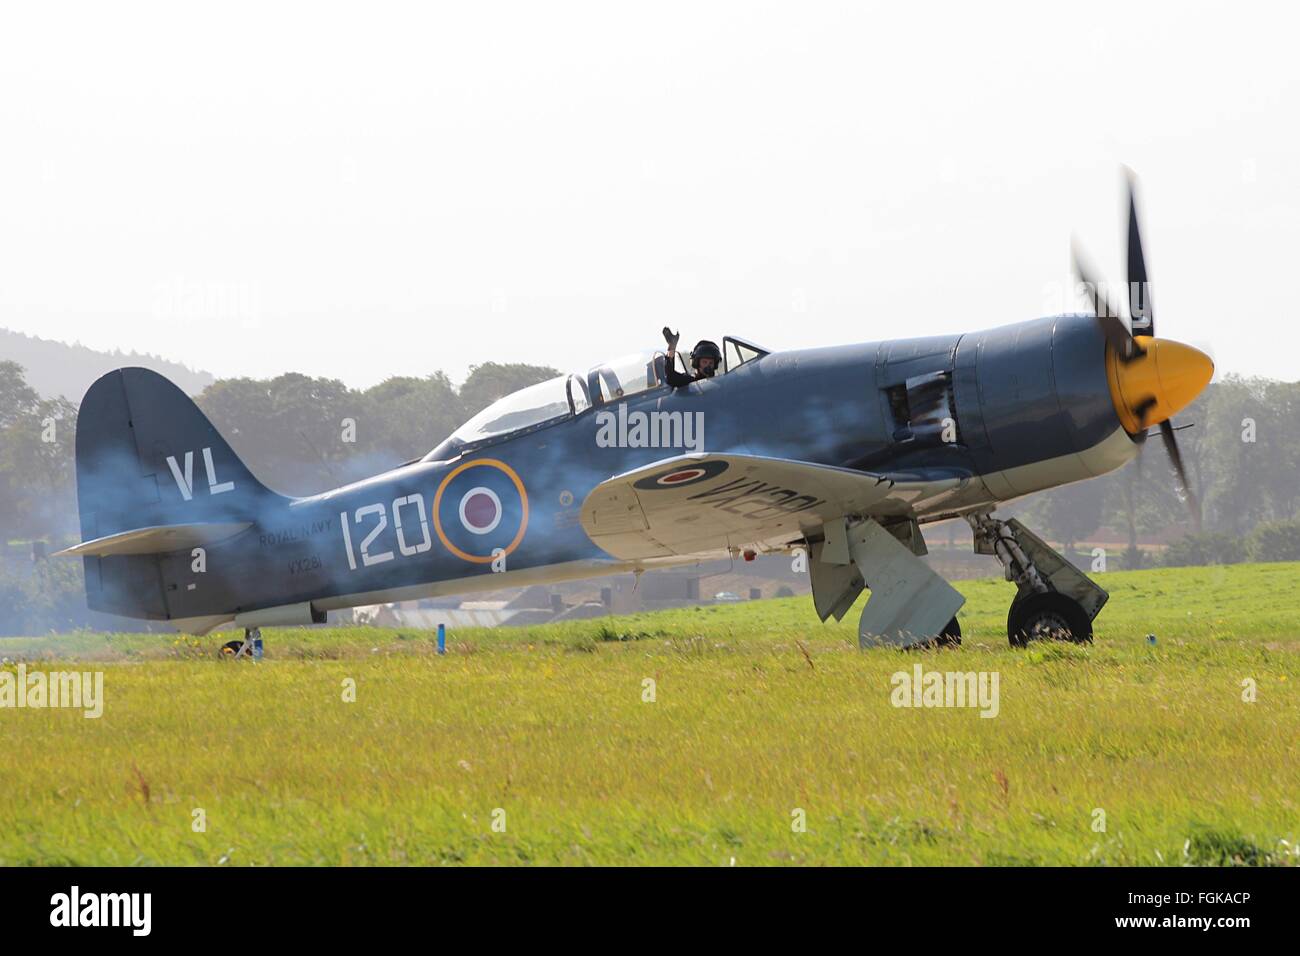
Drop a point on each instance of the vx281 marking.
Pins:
(303, 565)
(740, 493)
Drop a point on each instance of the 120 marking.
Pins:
(381, 512)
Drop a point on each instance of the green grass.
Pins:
(760, 710)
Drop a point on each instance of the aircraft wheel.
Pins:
(1048, 616)
(230, 649)
(950, 636)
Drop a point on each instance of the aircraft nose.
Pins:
(1152, 388)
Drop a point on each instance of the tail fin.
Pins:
(153, 475)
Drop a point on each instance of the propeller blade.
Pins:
(1176, 457)
(1117, 333)
(1141, 309)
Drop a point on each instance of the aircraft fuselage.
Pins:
(1010, 410)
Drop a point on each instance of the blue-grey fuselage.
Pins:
(1007, 411)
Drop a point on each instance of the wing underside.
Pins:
(705, 504)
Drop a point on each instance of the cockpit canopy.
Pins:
(566, 396)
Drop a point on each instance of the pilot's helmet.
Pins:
(706, 349)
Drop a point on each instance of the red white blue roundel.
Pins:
(681, 476)
(481, 508)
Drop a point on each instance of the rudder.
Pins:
(147, 457)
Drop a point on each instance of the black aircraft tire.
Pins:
(1049, 615)
(950, 636)
(230, 649)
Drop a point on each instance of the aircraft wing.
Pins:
(702, 503)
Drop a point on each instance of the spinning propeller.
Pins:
(1150, 379)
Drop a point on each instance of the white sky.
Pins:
(373, 190)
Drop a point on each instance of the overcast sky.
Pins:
(376, 190)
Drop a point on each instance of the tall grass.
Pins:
(1123, 752)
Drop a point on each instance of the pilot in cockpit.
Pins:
(705, 359)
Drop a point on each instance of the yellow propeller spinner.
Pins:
(1153, 386)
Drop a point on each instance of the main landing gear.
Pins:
(950, 636)
(1054, 599)
(250, 648)
(910, 605)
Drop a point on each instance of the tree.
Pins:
(37, 442)
(17, 398)
(1249, 451)
(290, 431)
(406, 417)
(1276, 541)
(1073, 511)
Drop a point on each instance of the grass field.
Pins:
(759, 712)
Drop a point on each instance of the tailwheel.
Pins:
(1049, 615)
(249, 649)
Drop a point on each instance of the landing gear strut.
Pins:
(910, 605)
(1054, 599)
(250, 648)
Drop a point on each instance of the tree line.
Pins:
(301, 435)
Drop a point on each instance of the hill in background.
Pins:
(56, 368)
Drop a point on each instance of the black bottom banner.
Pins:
(333, 905)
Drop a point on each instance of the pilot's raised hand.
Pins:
(671, 338)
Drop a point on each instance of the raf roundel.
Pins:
(681, 476)
(481, 510)
(677, 477)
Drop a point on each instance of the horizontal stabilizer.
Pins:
(158, 539)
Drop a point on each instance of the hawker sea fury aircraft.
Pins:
(845, 452)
